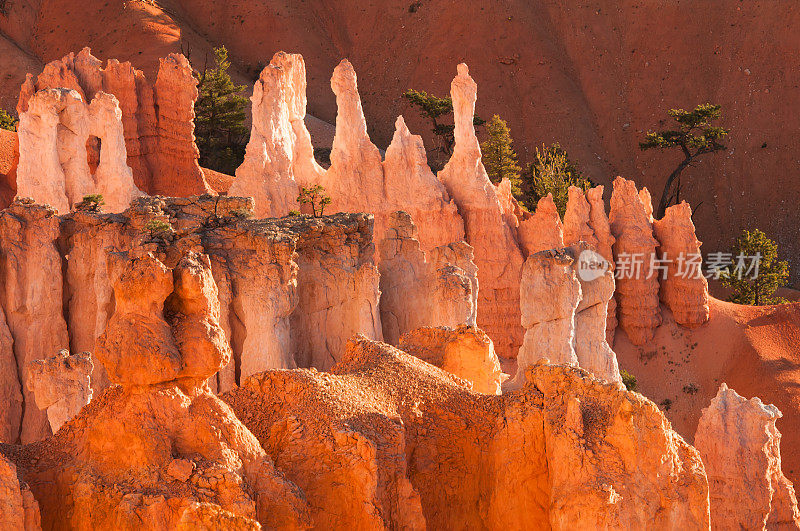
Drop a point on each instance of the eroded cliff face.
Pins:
(188, 462)
(417, 291)
(32, 288)
(157, 119)
(61, 385)
(464, 351)
(366, 444)
(497, 253)
(564, 297)
(280, 158)
(291, 291)
(54, 168)
(685, 289)
(635, 255)
(18, 508)
(740, 446)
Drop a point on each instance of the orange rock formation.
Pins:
(497, 253)
(685, 289)
(61, 385)
(465, 351)
(157, 119)
(367, 444)
(740, 447)
(418, 292)
(637, 279)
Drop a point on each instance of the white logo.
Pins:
(591, 265)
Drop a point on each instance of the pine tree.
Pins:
(695, 137)
(219, 117)
(435, 108)
(499, 157)
(751, 287)
(7, 121)
(552, 172)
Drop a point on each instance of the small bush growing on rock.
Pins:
(91, 203)
(294, 213)
(7, 122)
(755, 287)
(666, 404)
(691, 389)
(316, 197)
(158, 228)
(628, 380)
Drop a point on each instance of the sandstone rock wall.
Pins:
(685, 289)
(61, 385)
(419, 292)
(465, 351)
(638, 307)
(18, 508)
(740, 446)
(290, 291)
(53, 165)
(280, 158)
(338, 287)
(188, 462)
(564, 295)
(549, 295)
(31, 296)
(497, 253)
(157, 118)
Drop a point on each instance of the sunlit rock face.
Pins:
(53, 164)
(741, 450)
(638, 309)
(157, 119)
(685, 289)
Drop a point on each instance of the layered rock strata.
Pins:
(188, 462)
(419, 292)
(635, 256)
(497, 253)
(367, 445)
(685, 289)
(291, 291)
(61, 385)
(740, 446)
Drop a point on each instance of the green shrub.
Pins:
(629, 380)
(7, 122)
(91, 203)
(158, 228)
